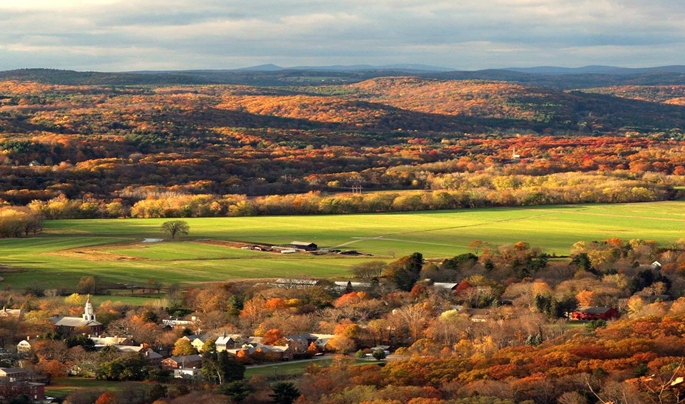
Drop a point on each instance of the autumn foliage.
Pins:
(184, 151)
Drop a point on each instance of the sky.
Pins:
(130, 35)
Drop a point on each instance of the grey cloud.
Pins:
(461, 34)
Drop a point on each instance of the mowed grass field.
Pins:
(113, 249)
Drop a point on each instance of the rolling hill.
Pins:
(111, 140)
(272, 75)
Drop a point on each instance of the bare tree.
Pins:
(175, 227)
(368, 270)
(414, 318)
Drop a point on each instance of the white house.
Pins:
(187, 373)
(24, 346)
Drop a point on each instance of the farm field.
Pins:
(113, 249)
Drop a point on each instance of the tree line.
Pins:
(500, 191)
(19, 221)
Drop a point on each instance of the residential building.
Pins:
(16, 381)
(182, 362)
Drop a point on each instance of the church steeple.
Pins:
(89, 313)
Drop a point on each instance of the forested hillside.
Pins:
(674, 94)
(507, 323)
(125, 143)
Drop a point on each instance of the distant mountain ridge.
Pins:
(364, 67)
(598, 69)
(270, 67)
(548, 70)
(273, 75)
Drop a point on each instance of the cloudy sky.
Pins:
(125, 35)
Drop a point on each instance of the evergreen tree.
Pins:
(236, 390)
(406, 271)
(284, 393)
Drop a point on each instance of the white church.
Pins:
(86, 323)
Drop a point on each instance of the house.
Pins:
(227, 341)
(16, 381)
(87, 321)
(479, 315)
(277, 352)
(187, 373)
(595, 313)
(24, 346)
(303, 245)
(322, 340)
(16, 313)
(300, 343)
(14, 374)
(261, 352)
(384, 348)
(244, 351)
(475, 315)
(449, 286)
(182, 362)
(176, 322)
(152, 357)
(197, 341)
(101, 342)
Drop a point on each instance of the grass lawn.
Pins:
(60, 388)
(296, 367)
(133, 300)
(113, 249)
(284, 369)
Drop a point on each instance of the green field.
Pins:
(297, 367)
(113, 249)
(60, 388)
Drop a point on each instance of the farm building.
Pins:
(595, 313)
(303, 245)
(290, 283)
(342, 286)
